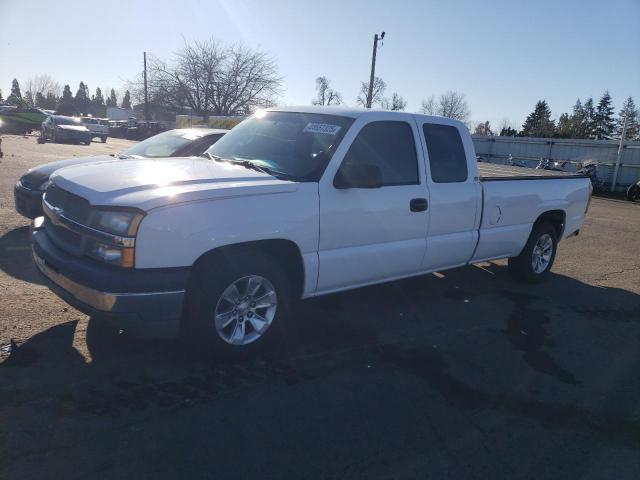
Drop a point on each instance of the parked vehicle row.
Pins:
(291, 203)
(174, 143)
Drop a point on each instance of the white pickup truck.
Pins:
(292, 203)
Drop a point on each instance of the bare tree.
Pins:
(483, 128)
(450, 104)
(39, 87)
(325, 94)
(429, 106)
(396, 103)
(211, 79)
(377, 96)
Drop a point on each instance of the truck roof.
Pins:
(358, 112)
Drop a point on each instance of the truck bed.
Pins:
(494, 172)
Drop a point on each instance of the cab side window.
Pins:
(390, 146)
(447, 159)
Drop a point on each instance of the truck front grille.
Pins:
(75, 208)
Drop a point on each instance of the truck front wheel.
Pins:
(536, 259)
(236, 302)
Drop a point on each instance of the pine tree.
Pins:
(539, 123)
(604, 122)
(1, 99)
(589, 119)
(508, 132)
(40, 100)
(578, 121)
(15, 98)
(28, 99)
(82, 100)
(51, 101)
(126, 100)
(631, 112)
(66, 105)
(97, 107)
(565, 127)
(112, 101)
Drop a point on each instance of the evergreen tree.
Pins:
(508, 132)
(589, 119)
(82, 100)
(40, 100)
(1, 99)
(539, 123)
(631, 112)
(112, 101)
(51, 101)
(97, 107)
(604, 122)
(126, 100)
(565, 127)
(28, 99)
(578, 120)
(66, 105)
(15, 98)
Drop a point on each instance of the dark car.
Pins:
(59, 128)
(186, 142)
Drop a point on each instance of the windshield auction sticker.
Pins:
(324, 128)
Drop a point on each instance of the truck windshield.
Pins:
(297, 145)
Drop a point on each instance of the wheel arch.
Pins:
(285, 252)
(557, 218)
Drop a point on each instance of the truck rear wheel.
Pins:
(236, 303)
(536, 259)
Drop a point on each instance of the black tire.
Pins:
(209, 280)
(103, 139)
(633, 192)
(522, 268)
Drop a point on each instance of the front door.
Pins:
(372, 234)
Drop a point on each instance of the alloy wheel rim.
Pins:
(542, 253)
(245, 310)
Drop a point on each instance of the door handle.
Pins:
(418, 204)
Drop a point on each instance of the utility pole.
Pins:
(146, 93)
(373, 67)
(619, 156)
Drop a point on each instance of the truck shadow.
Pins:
(15, 256)
(396, 325)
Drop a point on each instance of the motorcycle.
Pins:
(633, 192)
(548, 164)
(590, 169)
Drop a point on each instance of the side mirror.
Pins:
(352, 175)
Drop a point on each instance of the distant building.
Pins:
(117, 113)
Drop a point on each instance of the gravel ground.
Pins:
(459, 375)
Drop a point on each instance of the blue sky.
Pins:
(503, 55)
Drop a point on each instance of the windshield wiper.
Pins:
(269, 171)
(211, 156)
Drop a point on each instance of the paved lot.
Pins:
(459, 375)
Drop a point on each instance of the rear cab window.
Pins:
(447, 159)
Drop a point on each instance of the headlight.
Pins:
(117, 222)
(117, 246)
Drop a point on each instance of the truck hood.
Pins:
(153, 183)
